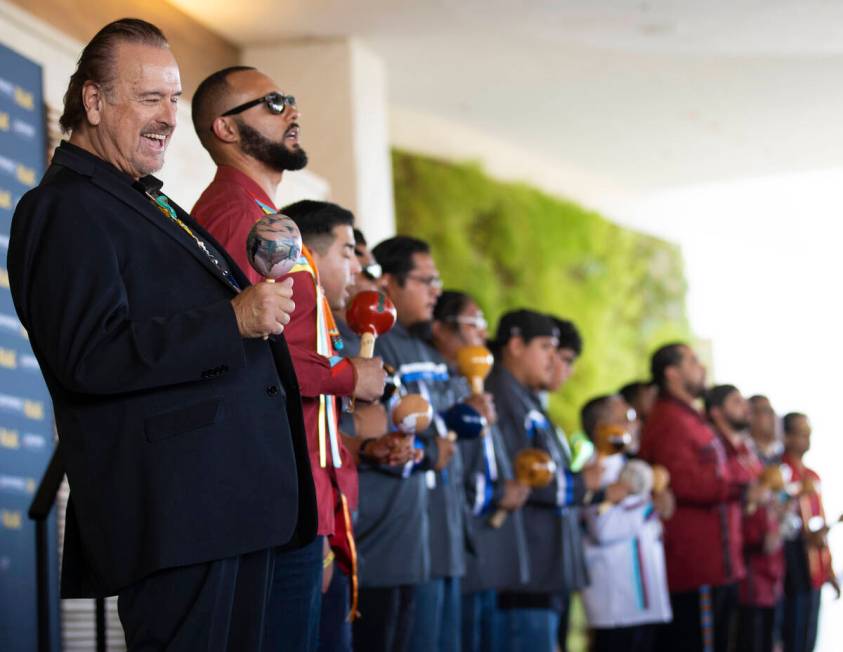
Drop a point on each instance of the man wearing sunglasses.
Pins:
(251, 131)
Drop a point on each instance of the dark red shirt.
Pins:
(702, 541)
(227, 209)
(763, 585)
(810, 504)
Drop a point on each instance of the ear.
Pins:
(436, 329)
(516, 346)
(386, 282)
(225, 129)
(670, 374)
(92, 100)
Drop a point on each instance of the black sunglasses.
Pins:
(275, 102)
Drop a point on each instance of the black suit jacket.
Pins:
(183, 442)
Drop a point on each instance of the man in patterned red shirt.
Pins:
(702, 539)
(807, 554)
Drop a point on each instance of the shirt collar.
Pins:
(88, 163)
(227, 174)
(525, 392)
(670, 398)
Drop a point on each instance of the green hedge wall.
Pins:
(510, 246)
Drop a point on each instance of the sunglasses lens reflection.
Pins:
(277, 102)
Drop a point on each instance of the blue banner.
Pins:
(26, 423)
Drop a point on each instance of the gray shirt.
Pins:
(552, 530)
(423, 371)
(499, 557)
(391, 528)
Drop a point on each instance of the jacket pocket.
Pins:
(183, 420)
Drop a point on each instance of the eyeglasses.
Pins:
(477, 321)
(275, 102)
(430, 281)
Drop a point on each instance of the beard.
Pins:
(738, 424)
(274, 155)
(695, 390)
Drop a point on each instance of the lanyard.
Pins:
(326, 332)
(162, 203)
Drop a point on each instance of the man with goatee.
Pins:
(702, 570)
(250, 129)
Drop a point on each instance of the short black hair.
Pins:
(717, 395)
(316, 221)
(449, 305)
(757, 398)
(359, 238)
(669, 355)
(631, 391)
(395, 255)
(789, 420)
(593, 411)
(209, 92)
(569, 335)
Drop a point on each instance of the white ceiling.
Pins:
(642, 95)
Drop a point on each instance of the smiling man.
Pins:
(180, 425)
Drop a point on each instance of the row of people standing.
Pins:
(218, 484)
(423, 550)
(746, 550)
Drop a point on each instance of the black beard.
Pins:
(738, 424)
(274, 155)
(696, 391)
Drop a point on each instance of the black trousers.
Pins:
(637, 638)
(220, 606)
(702, 620)
(801, 617)
(386, 619)
(562, 602)
(755, 629)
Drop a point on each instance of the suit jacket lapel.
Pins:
(110, 181)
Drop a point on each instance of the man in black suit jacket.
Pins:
(180, 426)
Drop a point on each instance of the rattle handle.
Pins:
(498, 518)
(367, 345)
(367, 350)
(268, 280)
(477, 387)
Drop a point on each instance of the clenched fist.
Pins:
(371, 378)
(264, 309)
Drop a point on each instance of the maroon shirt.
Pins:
(703, 539)
(763, 585)
(227, 209)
